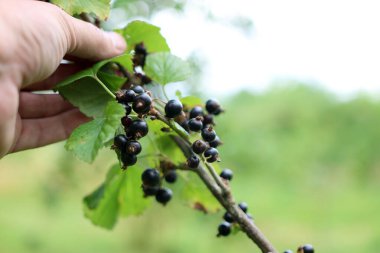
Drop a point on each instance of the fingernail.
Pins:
(118, 41)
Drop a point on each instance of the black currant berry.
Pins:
(164, 195)
(171, 176)
(138, 129)
(243, 206)
(126, 121)
(142, 103)
(120, 142)
(149, 191)
(307, 248)
(211, 152)
(208, 134)
(128, 109)
(213, 107)
(227, 174)
(173, 108)
(224, 229)
(151, 177)
(138, 89)
(215, 143)
(127, 159)
(228, 217)
(133, 147)
(125, 96)
(208, 120)
(185, 126)
(288, 251)
(140, 49)
(213, 159)
(193, 162)
(199, 146)
(195, 112)
(195, 124)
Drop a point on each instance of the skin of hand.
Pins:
(35, 37)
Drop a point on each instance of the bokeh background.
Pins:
(301, 132)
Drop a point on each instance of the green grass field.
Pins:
(306, 163)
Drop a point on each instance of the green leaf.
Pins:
(100, 8)
(102, 206)
(88, 95)
(120, 194)
(166, 68)
(191, 101)
(87, 139)
(131, 197)
(195, 194)
(139, 31)
(113, 82)
(85, 91)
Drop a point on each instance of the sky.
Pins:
(334, 44)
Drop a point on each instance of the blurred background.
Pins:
(300, 85)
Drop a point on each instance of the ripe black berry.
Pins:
(133, 147)
(126, 121)
(151, 177)
(211, 152)
(215, 143)
(138, 89)
(195, 112)
(224, 229)
(213, 159)
(307, 248)
(228, 217)
(138, 129)
(208, 134)
(173, 108)
(171, 176)
(142, 103)
(127, 159)
(125, 96)
(193, 162)
(195, 124)
(149, 191)
(140, 49)
(227, 174)
(208, 120)
(164, 195)
(199, 146)
(243, 206)
(128, 109)
(120, 142)
(213, 107)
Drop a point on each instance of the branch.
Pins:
(222, 193)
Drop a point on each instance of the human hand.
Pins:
(35, 37)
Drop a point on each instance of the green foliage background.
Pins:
(305, 161)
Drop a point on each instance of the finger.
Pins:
(34, 106)
(89, 42)
(40, 132)
(62, 72)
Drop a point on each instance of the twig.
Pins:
(223, 194)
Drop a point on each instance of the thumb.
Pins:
(89, 42)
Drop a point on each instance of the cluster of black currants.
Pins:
(225, 227)
(127, 144)
(151, 184)
(307, 248)
(197, 120)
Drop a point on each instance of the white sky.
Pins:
(334, 43)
